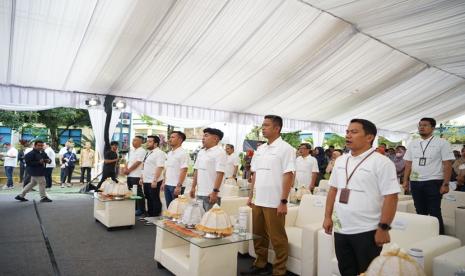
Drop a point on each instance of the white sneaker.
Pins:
(62, 185)
(69, 185)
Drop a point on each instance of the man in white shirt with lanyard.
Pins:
(177, 163)
(273, 166)
(134, 171)
(209, 169)
(428, 169)
(10, 163)
(152, 176)
(232, 163)
(306, 168)
(49, 167)
(361, 201)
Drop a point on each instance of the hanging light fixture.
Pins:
(93, 101)
(119, 104)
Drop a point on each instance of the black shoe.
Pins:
(20, 198)
(256, 271)
(45, 199)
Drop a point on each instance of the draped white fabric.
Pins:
(97, 118)
(235, 61)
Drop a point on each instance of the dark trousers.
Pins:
(355, 252)
(169, 194)
(140, 203)
(427, 199)
(153, 199)
(22, 171)
(9, 175)
(85, 171)
(27, 178)
(48, 177)
(105, 175)
(67, 174)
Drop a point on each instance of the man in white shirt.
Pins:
(49, 167)
(152, 176)
(209, 169)
(10, 163)
(273, 165)
(232, 163)
(428, 168)
(177, 163)
(134, 171)
(306, 168)
(361, 201)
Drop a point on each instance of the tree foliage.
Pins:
(335, 140)
(293, 138)
(18, 120)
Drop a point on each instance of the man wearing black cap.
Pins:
(209, 169)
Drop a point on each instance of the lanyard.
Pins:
(424, 150)
(356, 167)
(147, 155)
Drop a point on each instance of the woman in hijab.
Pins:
(319, 154)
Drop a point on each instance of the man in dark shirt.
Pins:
(109, 164)
(36, 161)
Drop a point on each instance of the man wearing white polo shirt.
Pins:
(273, 165)
(134, 171)
(232, 163)
(306, 168)
(10, 162)
(428, 168)
(152, 176)
(361, 201)
(177, 163)
(209, 169)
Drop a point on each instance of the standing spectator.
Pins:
(134, 171)
(69, 161)
(110, 161)
(209, 169)
(86, 162)
(322, 162)
(10, 163)
(306, 168)
(273, 165)
(459, 168)
(361, 201)
(49, 167)
(232, 163)
(152, 176)
(428, 169)
(22, 164)
(399, 162)
(27, 177)
(36, 161)
(334, 156)
(176, 167)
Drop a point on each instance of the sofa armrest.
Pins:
(325, 253)
(406, 206)
(434, 247)
(291, 215)
(310, 248)
(231, 204)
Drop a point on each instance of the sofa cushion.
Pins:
(294, 237)
(311, 210)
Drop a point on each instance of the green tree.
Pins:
(62, 117)
(335, 140)
(255, 134)
(382, 140)
(293, 138)
(18, 120)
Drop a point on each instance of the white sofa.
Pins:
(449, 263)
(302, 225)
(408, 231)
(449, 203)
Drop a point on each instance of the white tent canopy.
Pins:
(234, 61)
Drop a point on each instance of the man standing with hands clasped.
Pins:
(362, 200)
(428, 168)
(273, 165)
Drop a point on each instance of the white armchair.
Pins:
(302, 225)
(449, 203)
(408, 231)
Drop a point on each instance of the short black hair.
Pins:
(38, 142)
(383, 144)
(368, 127)
(306, 145)
(7, 143)
(276, 120)
(140, 137)
(180, 134)
(214, 131)
(430, 120)
(155, 138)
(401, 147)
(229, 145)
(114, 143)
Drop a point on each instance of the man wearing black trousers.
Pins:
(134, 171)
(152, 176)
(109, 164)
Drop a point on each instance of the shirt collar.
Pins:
(363, 154)
(275, 142)
(212, 148)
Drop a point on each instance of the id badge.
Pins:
(422, 161)
(344, 197)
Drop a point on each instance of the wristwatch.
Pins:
(216, 190)
(384, 226)
(284, 201)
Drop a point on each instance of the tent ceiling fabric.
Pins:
(287, 57)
